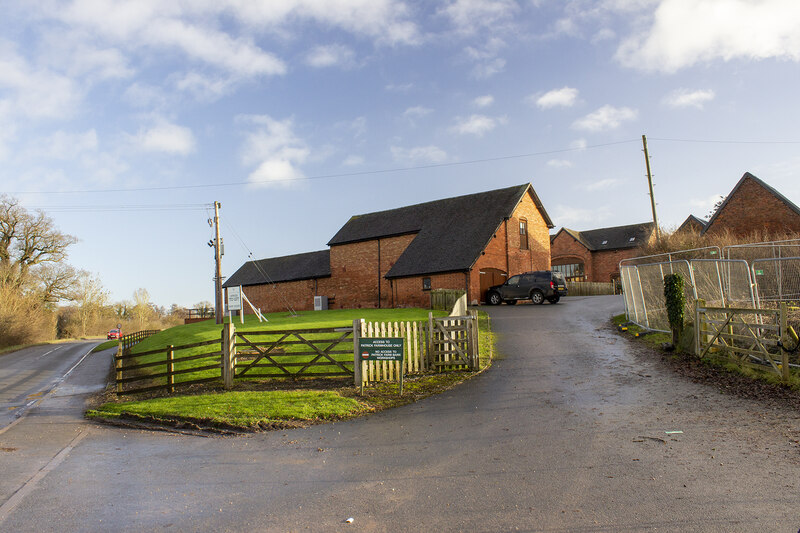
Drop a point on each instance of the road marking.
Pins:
(44, 396)
(26, 489)
(51, 351)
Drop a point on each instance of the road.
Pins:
(573, 428)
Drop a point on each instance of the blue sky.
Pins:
(125, 121)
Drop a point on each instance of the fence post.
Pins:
(476, 363)
(357, 381)
(118, 366)
(170, 368)
(228, 354)
(784, 354)
(429, 341)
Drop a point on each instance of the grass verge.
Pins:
(717, 361)
(273, 404)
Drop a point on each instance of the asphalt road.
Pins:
(571, 430)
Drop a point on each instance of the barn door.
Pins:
(490, 277)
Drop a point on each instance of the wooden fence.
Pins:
(448, 343)
(126, 342)
(589, 288)
(446, 299)
(745, 335)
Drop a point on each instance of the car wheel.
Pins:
(554, 299)
(537, 297)
(494, 299)
(511, 302)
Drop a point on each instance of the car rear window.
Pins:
(559, 277)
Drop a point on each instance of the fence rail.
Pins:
(589, 288)
(448, 343)
(745, 335)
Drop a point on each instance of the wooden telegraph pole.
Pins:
(650, 185)
(218, 308)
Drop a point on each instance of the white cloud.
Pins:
(605, 118)
(64, 145)
(353, 161)
(487, 69)
(579, 218)
(331, 55)
(275, 149)
(483, 101)
(686, 98)
(469, 15)
(477, 125)
(166, 137)
(563, 97)
(427, 154)
(207, 88)
(579, 144)
(33, 92)
(601, 185)
(417, 112)
(559, 163)
(143, 95)
(485, 57)
(714, 29)
(398, 87)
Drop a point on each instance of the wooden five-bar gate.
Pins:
(745, 335)
(441, 344)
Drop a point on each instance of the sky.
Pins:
(126, 120)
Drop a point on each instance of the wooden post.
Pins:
(784, 354)
(357, 379)
(429, 339)
(170, 368)
(699, 327)
(118, 366)
(228, 354)
(475, 352)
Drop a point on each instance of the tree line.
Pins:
(42, 297)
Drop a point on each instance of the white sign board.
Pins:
(234, 298)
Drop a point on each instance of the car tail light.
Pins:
(552, 285)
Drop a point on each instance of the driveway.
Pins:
(571, 429)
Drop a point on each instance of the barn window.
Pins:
(573, 271)
(426, 284)
(523, 234)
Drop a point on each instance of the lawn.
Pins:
(209, 331)
(241, 409)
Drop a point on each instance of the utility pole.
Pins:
(650, 184)
(218, 310)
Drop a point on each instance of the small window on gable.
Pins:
(605, 242)
(632, 239)
(426, 284)
(523, 234)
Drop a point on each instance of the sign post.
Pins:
(235, 302)
(381, 349)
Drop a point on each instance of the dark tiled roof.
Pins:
(744, 178)
(450, 233)
(297, 267)
(615, 238)
(691, 221)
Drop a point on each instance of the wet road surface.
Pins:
(573, 428)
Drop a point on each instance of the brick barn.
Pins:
(751, 206)
(594, 255)
(394, 258)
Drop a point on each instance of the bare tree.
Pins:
(141, 307)
(27, 239)
(89, 296)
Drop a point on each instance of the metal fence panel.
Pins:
(777, 280)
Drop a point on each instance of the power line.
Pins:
(118, 208)
(332, 176)
(713, 141)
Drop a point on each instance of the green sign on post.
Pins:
(382, 349)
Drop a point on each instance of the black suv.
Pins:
(535, 286)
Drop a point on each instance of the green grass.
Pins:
(241, 409)
(208, 330)
(106, 345)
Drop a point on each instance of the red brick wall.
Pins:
(503, 251)
(408, 291)
(567, 250)
(754, 208)
(299, 295)
(605, 264)
(598, 266)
